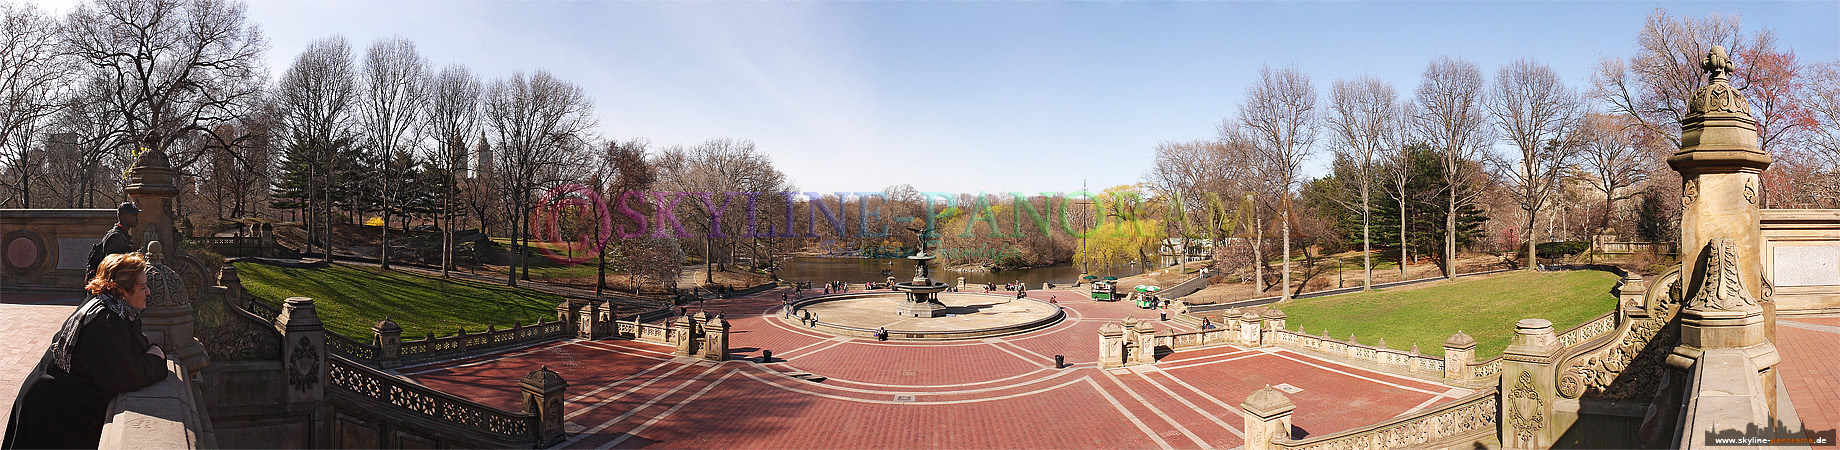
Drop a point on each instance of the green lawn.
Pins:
(351, 299)
(1484, 307)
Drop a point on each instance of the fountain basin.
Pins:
(966, 316)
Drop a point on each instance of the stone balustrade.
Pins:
(165, 415)
(1469, 422)
(377, 410)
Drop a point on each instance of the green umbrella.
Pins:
(1089, 277)
(1147, 288)
(1111, 278)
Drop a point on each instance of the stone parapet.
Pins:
(165, 415)
(1464, 423)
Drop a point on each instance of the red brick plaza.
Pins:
(989, 393)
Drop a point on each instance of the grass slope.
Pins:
(350, 299)
(1485, 308)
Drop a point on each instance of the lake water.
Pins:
(857, 270)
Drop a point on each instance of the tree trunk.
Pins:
(1533, 257)
(383, 251)
(1367, 241)
(1258, 257)
(1285, 292)
(1403, 257)
(1450, 237)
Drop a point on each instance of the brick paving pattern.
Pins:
(27, 322)
(987, 393)
(1808, 371)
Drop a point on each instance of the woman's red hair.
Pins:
(117, 274)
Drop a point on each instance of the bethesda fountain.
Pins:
(922, 292)
(923, 309)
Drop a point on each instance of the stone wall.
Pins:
(1801, 260)
(164, 415)
(49, 248)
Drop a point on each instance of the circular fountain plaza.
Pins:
(830, 389)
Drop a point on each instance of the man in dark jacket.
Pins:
(117, 239)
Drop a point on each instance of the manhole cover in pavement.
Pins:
(1287, 388)
(903, 398)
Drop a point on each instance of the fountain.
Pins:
(922, 292)
(924, 311)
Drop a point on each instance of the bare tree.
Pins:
(452, 112)
(1280, 115)
(1537, 113)
(539, 122)
(315, 97)
(173, 68)
(717, 167)
(30, 71)
(1610, 154)
(1363, 115)
(390, 106)
(1449, 115)
(1654, 85)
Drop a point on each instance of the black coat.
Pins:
(63, 408)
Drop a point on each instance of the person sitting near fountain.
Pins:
(881, 333)
(1021, 292)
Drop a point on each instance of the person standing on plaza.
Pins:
(118, 239)
(98, 353)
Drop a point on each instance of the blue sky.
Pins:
(980, 96)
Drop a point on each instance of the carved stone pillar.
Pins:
(715, 339)
(1719, 164)
(681, 335)
(1528, 387)
(1111, 346)
(389, 343)
(1146, 344)
(1274, 321)
(1268, 417)
(543, 396)
(1249, 332)
(587, 318)
(168, 317)
(303, 350)
(1459, 353)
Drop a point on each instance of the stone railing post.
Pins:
(565, 314)
(1249, 332)
(232, 283)
(587, 316)
(1529, 385)
(1111, 345)
(681, 335)
(543, 396)
(169, 314)
(1229, 322)
(303, 354)
(715, 339)
(389, 343)
(1146, 343)
(1268, 417)
(1720, 168)
(1274, 321)
(1459, 353)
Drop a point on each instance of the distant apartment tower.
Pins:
(482, 158)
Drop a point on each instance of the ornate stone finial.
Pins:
(1717, 63)
(155, 253)
(543, 378)
(1718, 95)
(387, 326)
(1460, 340)
(1267, 401)
(1724, 288)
